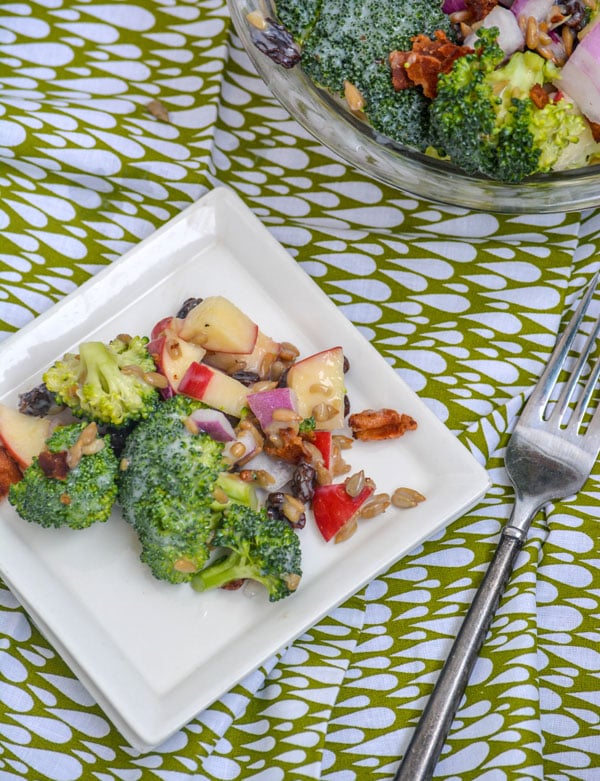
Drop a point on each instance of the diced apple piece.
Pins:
(218, 325)
(320, 387)
(173, 356)
(23, 436)
(274, 408)
(259, 361)
(214, 388)
(333, 507)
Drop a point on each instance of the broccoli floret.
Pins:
(258, 547)
(486, 121)
(105, 382)
(168, 489)
(350, 40)
(298, 16)
(78, 495)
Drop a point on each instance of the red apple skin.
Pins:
(214, 388)
(159, 328)
(323, 441)
(164, 326)
(155, 346)
(196, 380)
(333, 508)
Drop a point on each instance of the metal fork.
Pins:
(549, 456)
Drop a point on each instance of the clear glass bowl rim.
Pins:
(403, 169)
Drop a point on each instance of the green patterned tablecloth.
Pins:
(466, 306)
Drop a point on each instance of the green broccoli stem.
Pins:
(223, 571)
(100, 366)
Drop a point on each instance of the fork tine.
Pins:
(543, 390)
(586, 396)
(567, 393)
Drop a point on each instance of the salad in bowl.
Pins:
(500, 90)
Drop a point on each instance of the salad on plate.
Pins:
(215, 440)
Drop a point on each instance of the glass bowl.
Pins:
(326, 118)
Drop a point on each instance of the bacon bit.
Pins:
(476, 10)
(288, 444)
(380, 424)
(54, 465)
(421, 66)
(539, 96)
(399, 65)
(9, 472)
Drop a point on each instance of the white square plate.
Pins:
(154, 654)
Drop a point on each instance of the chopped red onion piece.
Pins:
(214, 423)
(539, 9)
(580, 76)
(452, 6)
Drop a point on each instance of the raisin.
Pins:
(37, 402)
(233, 585)
(274, 505)
(578, 14)
(187, 306)
(246, 377)
(277, 43)
(282, 381)
(303, 482)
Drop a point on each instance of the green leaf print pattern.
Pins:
(465, 306)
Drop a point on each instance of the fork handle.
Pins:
(428, 739)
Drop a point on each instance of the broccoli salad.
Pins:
(214, 440)
(505, 89)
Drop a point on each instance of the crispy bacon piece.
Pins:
(9, 472)
(479, 9)
(421, 66)
(54, 464)
(380, 424)
(539, 96)
(288, 445)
